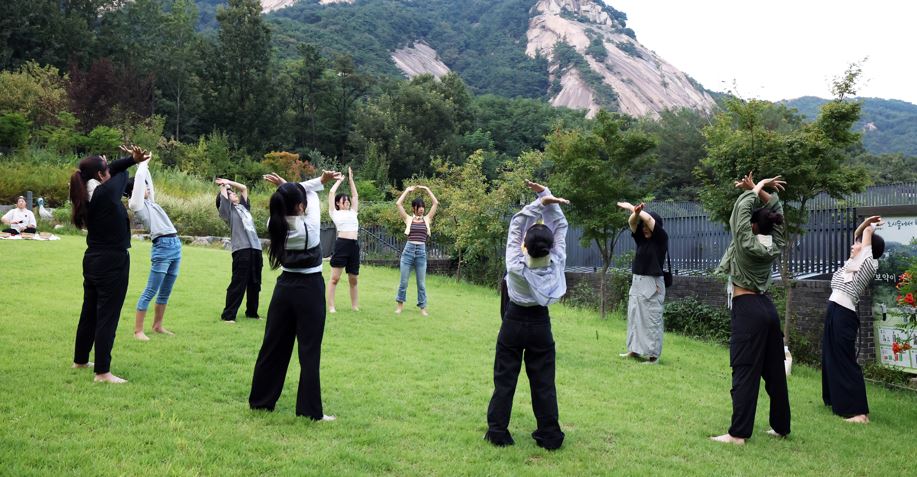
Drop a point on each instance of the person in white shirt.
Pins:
(346, 256)
(20, 220)
(843, 387)
(297, 309)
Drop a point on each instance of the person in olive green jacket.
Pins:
(756, 341)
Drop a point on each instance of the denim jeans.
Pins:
(414, 257)
(166, 257)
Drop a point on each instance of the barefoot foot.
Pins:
(423, 311)
(399, 308)
(728, 439)
(163, 331)
(861, 419)
(109, 378)
(87, 364)
(141, 336)
(776, 434)
(355, 308)
(629, 354)
(327, 418)
(332, 310)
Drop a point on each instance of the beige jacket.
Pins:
(407, 224)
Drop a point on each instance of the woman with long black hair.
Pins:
(755, 341)
(297, 309)
(95, 196)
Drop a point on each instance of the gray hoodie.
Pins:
(527, 284)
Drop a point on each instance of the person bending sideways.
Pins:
(20, 220)
(647, 288)
(534, 280)
(297, 309)
(756, 341)
(843, 387)
(95, 195)
(247, 261)
(346, 256)
(414, 256)
(165, 256)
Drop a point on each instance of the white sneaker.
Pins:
(328, 418)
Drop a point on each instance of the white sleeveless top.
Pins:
(345, 220)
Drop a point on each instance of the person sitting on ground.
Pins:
(20, 220)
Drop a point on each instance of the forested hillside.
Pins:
(889, 126)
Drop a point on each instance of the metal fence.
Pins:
(696, 243)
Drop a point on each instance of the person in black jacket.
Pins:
(95, 194)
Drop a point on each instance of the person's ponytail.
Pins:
(277, 229)
(78, 200)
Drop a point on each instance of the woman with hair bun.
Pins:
(756, 341)
(297, 309)
(95, 196)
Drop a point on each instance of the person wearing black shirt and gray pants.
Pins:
(647, 289)
(95, 194)
(247, 261)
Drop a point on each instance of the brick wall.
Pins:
(809, 303)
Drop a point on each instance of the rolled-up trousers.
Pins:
(755, 352)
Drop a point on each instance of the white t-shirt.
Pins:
(16, 215)
(345, 220)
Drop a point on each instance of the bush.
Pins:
(585, 294)
(697, 320)
(50, 181)
(886, 375)
(14, 130)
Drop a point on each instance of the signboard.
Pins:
(895, 331)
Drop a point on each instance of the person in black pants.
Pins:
(534, 280)
(756, 340)
(95, 194)
(297, 309)
(247, 260)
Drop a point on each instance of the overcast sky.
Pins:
(782, 49)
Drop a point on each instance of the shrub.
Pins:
(14, 130)
(585, 294)
(886, 375)
(695, 319)
(50, 181)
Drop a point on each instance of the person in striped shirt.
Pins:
(843, 387)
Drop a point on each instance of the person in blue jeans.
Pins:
(165, 256)
(417, 228)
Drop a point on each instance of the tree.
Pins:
(679, 149)
(770, 139)
(594, 169)
(309, 89)
(107, 93)
(37, 92)
(345, 86)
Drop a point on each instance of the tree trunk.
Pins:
(458, 268)
(602, 280)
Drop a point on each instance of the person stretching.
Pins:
(165, 256)
(647, 289)
(346, 256)
(247, 260)
(95, 195)
(843, 387)
(534, 280)
(755, 342)
(20, 219)
(296, 312)
(414, 256)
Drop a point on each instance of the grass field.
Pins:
(410, 392)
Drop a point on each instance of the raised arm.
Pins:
(331, 193)
(640, 215)
(243, 189)
(632, 219)
(554, 218)
(866, 225)
(515, 259)
(773, 202)
(135, 202)
(435, 206)
(354, 195)
(400, 202)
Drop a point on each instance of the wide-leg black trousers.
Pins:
(525, 336)
(842, 384)
(245, 281)
(755, 352)
(296, 312)
(105, 276)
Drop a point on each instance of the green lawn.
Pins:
(410, 392)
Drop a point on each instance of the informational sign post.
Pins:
(895, 326)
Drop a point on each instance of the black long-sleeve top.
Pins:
(107, 223)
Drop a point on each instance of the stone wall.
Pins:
(809, 304)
